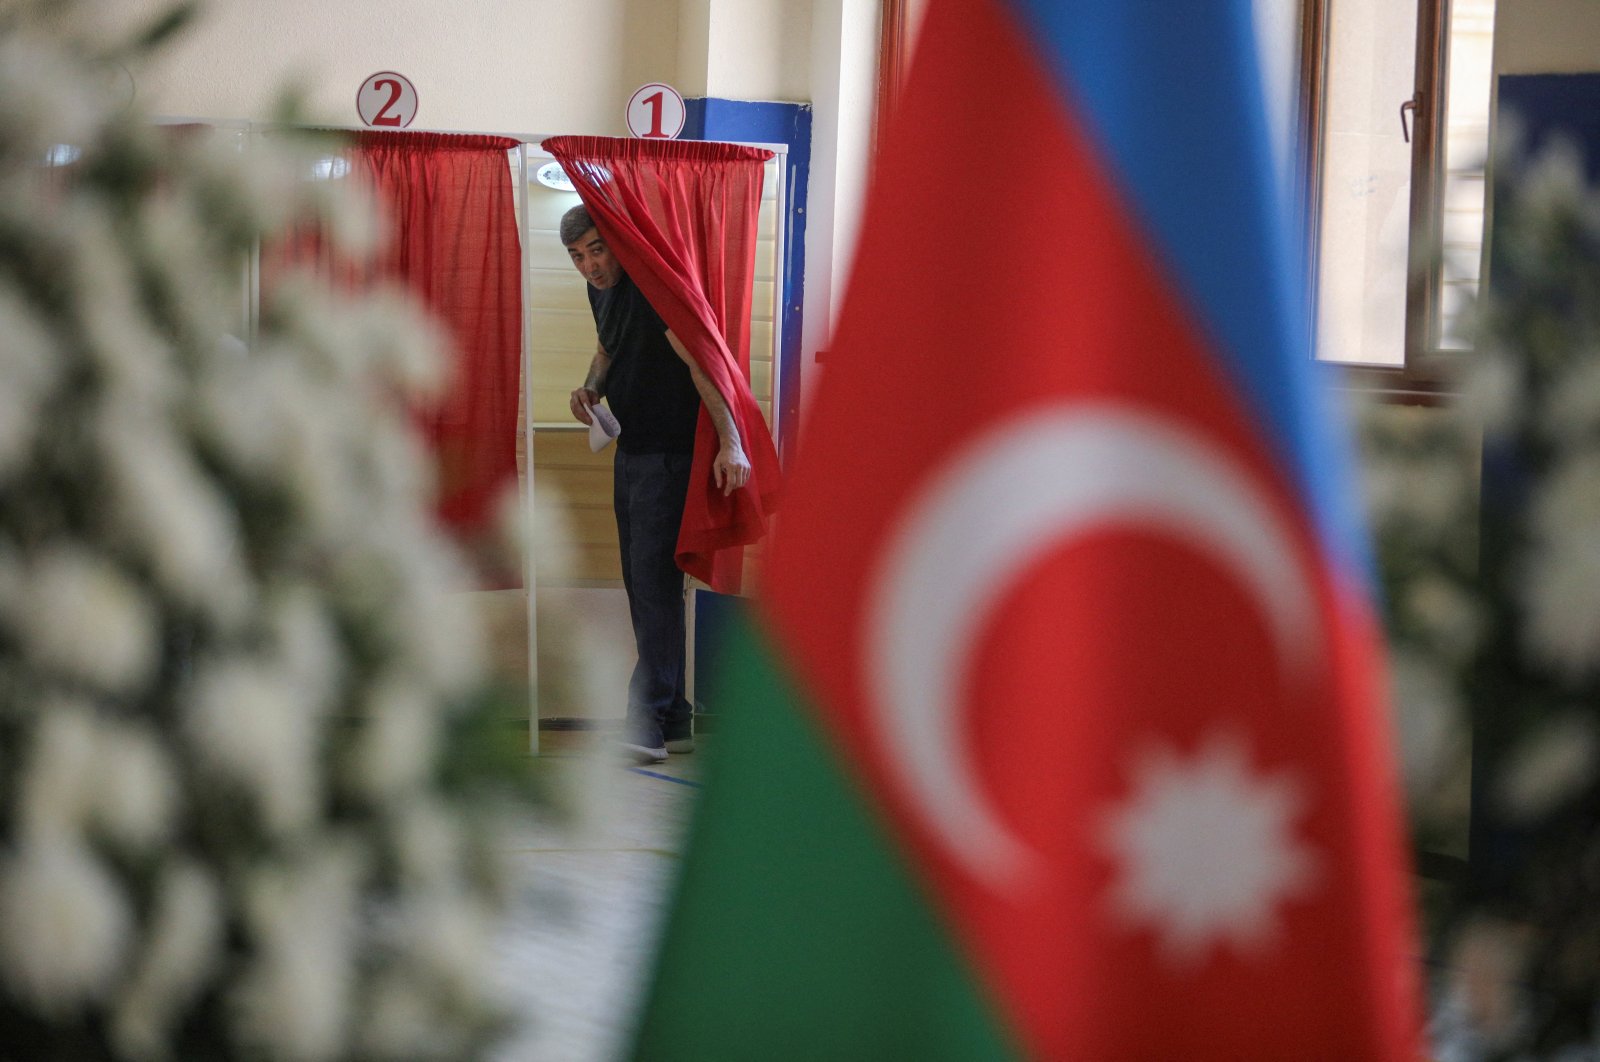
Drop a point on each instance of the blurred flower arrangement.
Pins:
(1488, 520)
(246, 777)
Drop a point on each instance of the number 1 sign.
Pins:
(386, 101)
(656, 112)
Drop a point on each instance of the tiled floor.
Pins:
(591, 890)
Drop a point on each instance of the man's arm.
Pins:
(594, 386)
(732, 467)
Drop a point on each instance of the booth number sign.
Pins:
(387, 100)
(656, 112)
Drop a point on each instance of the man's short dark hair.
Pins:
(574, 223)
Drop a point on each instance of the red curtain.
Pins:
(681, 218)
(447, 202)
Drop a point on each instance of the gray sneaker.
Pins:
(680, 736)
(642, 754)
(642, 743)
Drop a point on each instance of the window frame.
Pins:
(1417, 380)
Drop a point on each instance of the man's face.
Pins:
(593, 259)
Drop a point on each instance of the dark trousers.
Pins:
(648, 492)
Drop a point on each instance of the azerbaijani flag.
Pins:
(1058, 731)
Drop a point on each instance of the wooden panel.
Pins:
(563, 329)
(761, 380)
(545, 252)
(593, 564)
(580, 482)
(551, 403)
(766, 258)
(557, 290)
(761, 340)
(546, 205)
(761, 300)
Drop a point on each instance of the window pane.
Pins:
(1466, 143)
(1364, 214)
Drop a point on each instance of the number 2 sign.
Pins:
(386, 101)
(656, 112)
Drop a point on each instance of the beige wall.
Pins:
(549, 66)
(532, 66)
(745, 49)
(1546, 36)
(536, 66)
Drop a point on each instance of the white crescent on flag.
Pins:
(994, 511)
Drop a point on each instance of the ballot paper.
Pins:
(603, 427)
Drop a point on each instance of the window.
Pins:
(1395, 102)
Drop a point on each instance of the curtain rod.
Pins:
(531, 139)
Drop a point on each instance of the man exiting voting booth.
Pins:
(661, 399)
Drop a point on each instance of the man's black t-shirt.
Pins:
(648, 386)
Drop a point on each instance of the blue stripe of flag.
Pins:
(1170, 90)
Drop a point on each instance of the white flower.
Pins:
(1560, 590)
(135, 784)
(325, 329)
(307, 643)
(174, 241)
(1568, 503)
(136, 363)
(399, 473)
(1554, 186)
(1492, 395)
(406, 343)
(1451, 617)
(453, 934)
(84, 770)
(57, 794)
(47, 101)
(165, 502)
(395, 749)
(1427, 710)
(63, 926)
(316, 466)
(1429, 492)
(30, 366)
(295, 997)
(428, 843)
(351, 218)
(1552, 766)
(410, 578)
(1562, 611)
(261, 189)
(177, 958)
(401, 1020)
(286, 436)
(249, 726)
(1572, 409)
(81, 618)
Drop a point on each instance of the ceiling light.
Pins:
(551, 175)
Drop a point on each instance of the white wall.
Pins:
(844, 56)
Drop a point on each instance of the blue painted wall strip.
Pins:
(710, 118)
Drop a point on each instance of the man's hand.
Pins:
(731, 469)
(581, 400)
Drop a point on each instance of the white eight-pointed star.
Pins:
(1205, 850)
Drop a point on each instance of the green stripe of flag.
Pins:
(798, 931)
